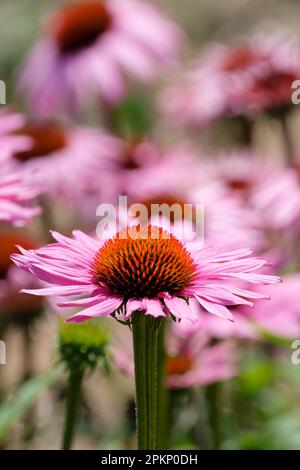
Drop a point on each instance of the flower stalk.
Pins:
(147, 332)
(214, 412)
(81, 348)
(72, 408)
(287, 139)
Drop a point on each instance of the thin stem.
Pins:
(28, 368)
(163, 391)
(146, 339)
(289, 148)
(212, 394)
(72, 407)
(246, 131)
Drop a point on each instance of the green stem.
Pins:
(212, 394)
(246, 131)
(286, 135)
(146, 339)
(162, 391)
(72, 407)
(28, 373)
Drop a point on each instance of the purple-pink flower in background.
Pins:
(281, 315)
(252, 77)
(10, 139)
(90, 46)
(261, 184)
(16, 188)
(193, 361)
(16, 195)
(16, 307)
(67, 162)
(142, 169)
(144, 269)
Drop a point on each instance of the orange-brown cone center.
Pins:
(47, 139)
(8, 242)
(144, 266)
(178, 365)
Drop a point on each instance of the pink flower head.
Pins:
(64, 161)
(228, 224)
(144, 269)
(16, 189)
(279, 200)
(10, 139)
(16, 306)
(268, 86)
(271, 191)
(280, 316)
(16, 195)
(89, 47)
(244, 80)
(140, 169)
(193, 361)
(204, 214)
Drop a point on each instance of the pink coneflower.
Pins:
(16, 307)
(281, 316)
(239, 174)
(253, 77)
(90, 46)
(16, 189)
(215, 219)
(279, 200)
(142, 269)
(140, 169)
(227, 222)
(193, 361)
(16, 196)
(258, 183)
(10, 141)
(64, 161)
(268, 87)
(271, 191)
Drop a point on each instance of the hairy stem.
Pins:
(146, 343)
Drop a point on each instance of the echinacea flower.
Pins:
(89, 47)
(242, 80)
(16, 189)
(16, 196)
(193, 361)
(271, 191)
(64, 161)
(205, 214)
(10, 139)
(144, 269)
(16, 308)
(140, 168)
(281, 316)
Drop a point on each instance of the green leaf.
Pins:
(25, 396)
